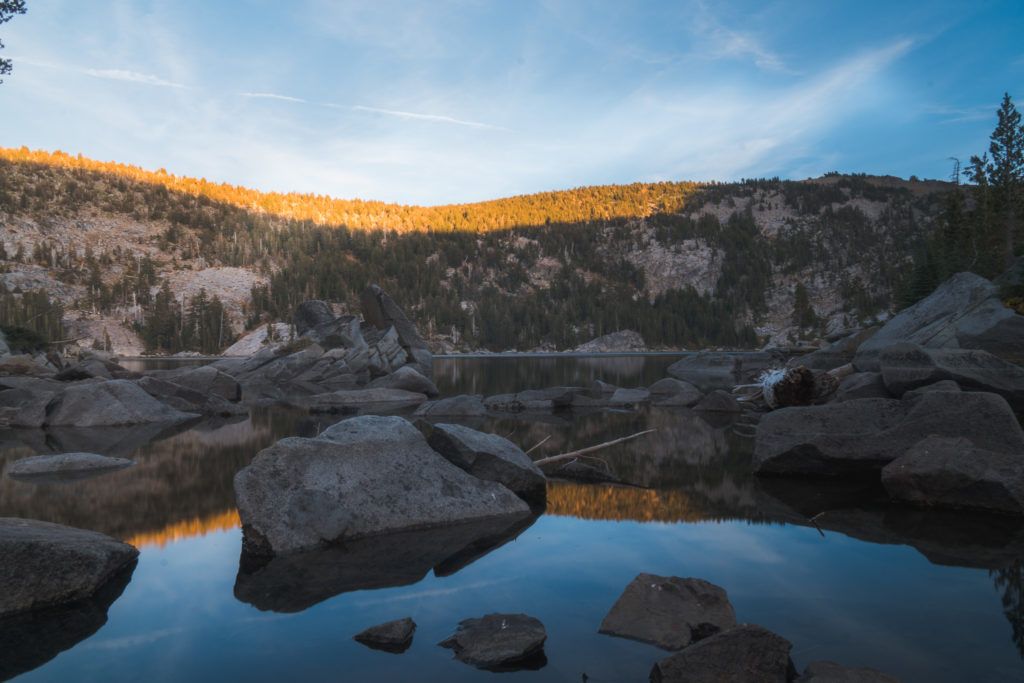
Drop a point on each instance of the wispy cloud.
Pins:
(272, 96)
(436, 118)
(131, 77)
(948, 114)
(717, 41)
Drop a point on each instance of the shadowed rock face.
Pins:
(292, 583)
(500, 642)
(30, 639)
(743, 653)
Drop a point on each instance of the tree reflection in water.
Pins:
(1010, 580)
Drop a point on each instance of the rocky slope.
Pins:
(753, 252)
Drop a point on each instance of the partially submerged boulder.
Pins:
(490, 457)
(672, 391)
(456, 406)
(964, 312)
(44, 564)
(953, 472)
(352, 400)
(909, 366)
(110, 403)
(743, 653)
(362, 476)
(629, 397)
(718, 401)
(392, 636)
(861, 436)
(669, 611)
(65, 466)
(209, 381)
(26, 407)
(499, 642)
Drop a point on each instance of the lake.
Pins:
(923, 595)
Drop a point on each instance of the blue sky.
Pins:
(444, 101)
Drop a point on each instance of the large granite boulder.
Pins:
(65, 466)
(500, 642)
(861, 385)
(669, 611)
(311, 314)
(719, 401)
(908, 366)
(381, 311)
(209, 381)
(953, 472)
(104, 404)
(406, 378)
(43, 564)
(836, 354)
(743, 653)
(188, 400)
(861, 436)
(490, 457)
(965, 312)
(26, 407)
(710, 370)
(363, 476)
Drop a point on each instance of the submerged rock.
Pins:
(863, 435)
(669, 611)
(65, 466)
(362, 476)
(671, 391)
(503, 642)
(830, 672)
(111, 403)
(953, 472)
(44, 564)
(743, 653)
(392, 636)
(490, 457)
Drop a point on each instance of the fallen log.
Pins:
(589, 449)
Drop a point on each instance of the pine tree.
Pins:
(1006, 172)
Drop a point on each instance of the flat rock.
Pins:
(362, 476)
(407, 379)
(830, 672)
(953, 472)
(744, 653)
(463, 405)
(863, 435)
(629, 397)
(505, 642)
(392, 636)
(111, 403)
(671, 391)
(65, 465)
(669, 611)
(908, 366)
(43, 564)
(489, 457)
(964, 312)
(345, 400)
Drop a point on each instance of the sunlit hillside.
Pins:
(598, 203)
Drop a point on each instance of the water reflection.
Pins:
(29, 640)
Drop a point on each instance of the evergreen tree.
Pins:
(1005, 173)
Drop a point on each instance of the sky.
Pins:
(463, 100)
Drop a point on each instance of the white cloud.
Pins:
(421, 117)
(131, 77)
(716, 41)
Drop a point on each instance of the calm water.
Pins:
(925, 596)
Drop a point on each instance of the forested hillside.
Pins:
(189, 264)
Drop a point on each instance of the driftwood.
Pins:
(793, 386)
(588, 449)
(538, 445)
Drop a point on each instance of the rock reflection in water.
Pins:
(29, 640)
(295, 582)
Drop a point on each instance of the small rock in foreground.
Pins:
(669, 611)
(744, 653)
(500, 642)
(392, 636)
(65, 465)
